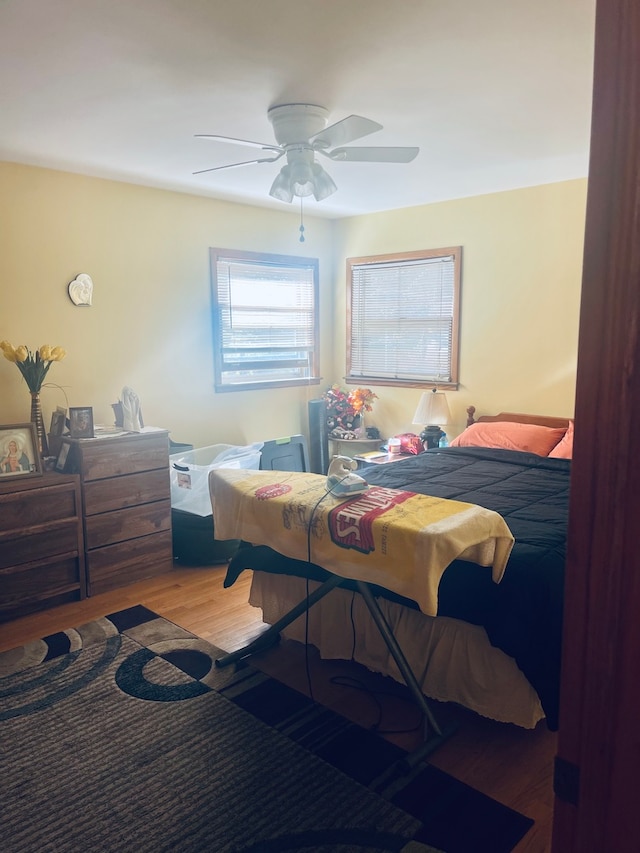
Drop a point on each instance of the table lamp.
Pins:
(433, 410)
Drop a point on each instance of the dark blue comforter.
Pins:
(522, 615)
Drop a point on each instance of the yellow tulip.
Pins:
(7, 350)
(21, 353)
(57, 354)
(45, 352)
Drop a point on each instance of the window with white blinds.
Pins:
(403, 317)
(265, 320)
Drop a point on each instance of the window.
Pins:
(265, 320)
(403, 313)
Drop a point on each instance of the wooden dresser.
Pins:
(126, 506)
(41, 543)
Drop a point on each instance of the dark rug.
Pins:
(121, 735)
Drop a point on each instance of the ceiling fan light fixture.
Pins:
(322, 182)
(301, 132)
(302, 178)
(282, 188)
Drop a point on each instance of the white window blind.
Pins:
(265, 319)
(404, 317)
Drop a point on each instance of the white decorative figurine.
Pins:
(131, 419)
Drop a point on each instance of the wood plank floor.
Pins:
(510, 764)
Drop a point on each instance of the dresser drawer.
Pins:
(127, 562)
(21, 586)
(127, 490)
(112, 457)
(38, 542)
(36, 506)
(130, 523)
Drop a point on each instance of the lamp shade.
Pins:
(323, 183)
(432, 409)
(281, 187)
(302, 180)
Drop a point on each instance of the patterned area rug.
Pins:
(121, 735)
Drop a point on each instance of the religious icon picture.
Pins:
(19, 456)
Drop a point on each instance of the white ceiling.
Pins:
(496, 93)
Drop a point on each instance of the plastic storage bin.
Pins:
(190, 473)
(194, 542)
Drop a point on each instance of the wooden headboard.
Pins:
(541, 420)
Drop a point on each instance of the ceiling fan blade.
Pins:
(265, 145)
(389, 154)
(344, 131)
(244, 163)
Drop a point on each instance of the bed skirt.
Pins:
(452, 660)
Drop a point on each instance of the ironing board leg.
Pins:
(271, 635)
(433, 735)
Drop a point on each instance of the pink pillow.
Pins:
(510, 436)
(564, 448)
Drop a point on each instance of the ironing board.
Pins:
(383, 537)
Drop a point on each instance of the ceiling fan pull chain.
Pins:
(301, 229)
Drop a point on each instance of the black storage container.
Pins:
(193, 542)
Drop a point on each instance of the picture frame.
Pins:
(58, 420)
(64, 458)
(19, 456)
(81, 422)
(56, 430)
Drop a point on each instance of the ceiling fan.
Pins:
(301, 132)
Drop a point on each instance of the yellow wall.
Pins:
(149, 326)
(521, 281)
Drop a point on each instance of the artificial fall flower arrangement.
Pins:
(344, 408)
(33, 365)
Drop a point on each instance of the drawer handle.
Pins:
(180, 467)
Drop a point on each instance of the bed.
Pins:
(492, 647)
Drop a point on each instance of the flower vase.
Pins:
(38, 421)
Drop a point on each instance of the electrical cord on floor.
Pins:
(355, 684)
